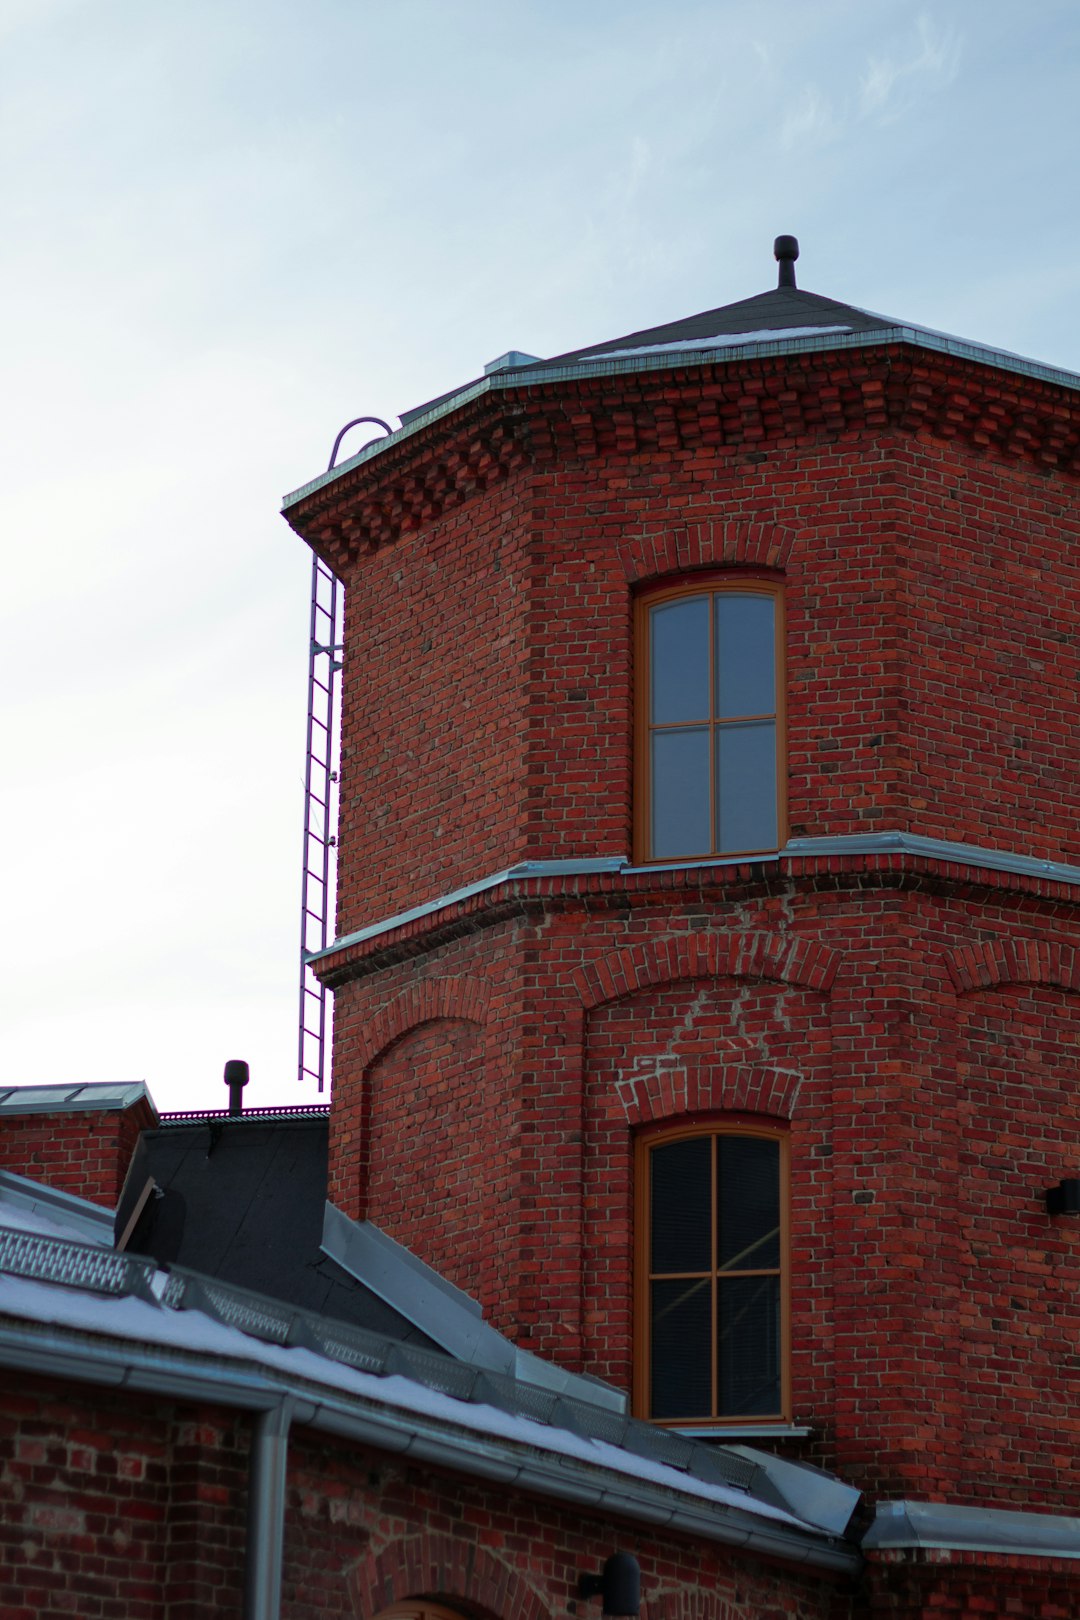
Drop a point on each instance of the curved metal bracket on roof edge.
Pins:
(378, 421)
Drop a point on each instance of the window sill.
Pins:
(745, 1431)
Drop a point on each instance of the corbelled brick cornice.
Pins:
(749, 406)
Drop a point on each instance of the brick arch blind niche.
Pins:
(721, 1026)
(1017, 1126)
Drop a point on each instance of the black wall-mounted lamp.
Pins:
(1064, 1199)
(619, 1586)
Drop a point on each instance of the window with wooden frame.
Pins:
(711, 1293)
(709, 766)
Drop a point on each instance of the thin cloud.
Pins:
(811, 120)
(891, 85)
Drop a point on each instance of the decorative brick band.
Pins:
(706, 956)
(440, 1566)
(464, 999)
(714, 543)
(1013, 961)
(668, 1088)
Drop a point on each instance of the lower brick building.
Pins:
(700, 1176)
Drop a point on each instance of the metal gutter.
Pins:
(883, 843)
(252, 1387)
(680, 360)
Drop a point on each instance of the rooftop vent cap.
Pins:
(786, 251)
(236, 1078)
(510, 361)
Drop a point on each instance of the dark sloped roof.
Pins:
(243, 1200)
(784, 309)
(780, 310)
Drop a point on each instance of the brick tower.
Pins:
(707, 990)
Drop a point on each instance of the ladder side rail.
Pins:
(319, 782)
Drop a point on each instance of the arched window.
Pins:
(419, 1609)
(711, 1231)
(710, 771)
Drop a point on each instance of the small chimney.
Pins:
(236, 1078)
(786, 251)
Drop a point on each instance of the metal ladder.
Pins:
(318, 886)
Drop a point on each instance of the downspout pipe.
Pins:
(266, 1512)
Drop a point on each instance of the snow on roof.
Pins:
(192, 1332)
(32, 1206)
(720, 340)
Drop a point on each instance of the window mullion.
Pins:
(714, 1336)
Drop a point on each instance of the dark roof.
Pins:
(775, 311)
(784, 309)
(243, 1201)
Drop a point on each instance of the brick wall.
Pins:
(117, 1508)
(82, 1152)
(930, 1104)
(126, 1508)
(921, 514)
(931, 578)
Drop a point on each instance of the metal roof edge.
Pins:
(677, 360)
(508, 874)
(452, 1318)
(94, 1223)
(425, 1437)
(951, 1527)
(85, 1097)
(880, 843)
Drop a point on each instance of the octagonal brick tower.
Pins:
(706, 983)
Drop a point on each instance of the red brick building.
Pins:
(706, 985)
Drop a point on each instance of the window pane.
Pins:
(747, 1202)
(680, 1206)
(746, 786)
(748, 1339)
(680, 793)
(745, 655)
(679, 650)
(681, 1359)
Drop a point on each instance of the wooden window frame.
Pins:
(646, 1142)
(711, 585)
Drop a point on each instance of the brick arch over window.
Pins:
(706, 956)
(463, 999)
(448, 1569)
(743, 1088)
(714, 543)
(1013, 961)
(690, 1605)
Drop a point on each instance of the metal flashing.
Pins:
(805, 1491)
(940, 849)
(71, 1099)
(82, 1348)
(883, 843)
(87, 1221)
(944, 1526)
(509, 874)
(693, 355)
(445, 1314)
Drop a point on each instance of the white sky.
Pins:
(231, 225)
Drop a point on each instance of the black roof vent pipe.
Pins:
(236, 1078)
(786, 251)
